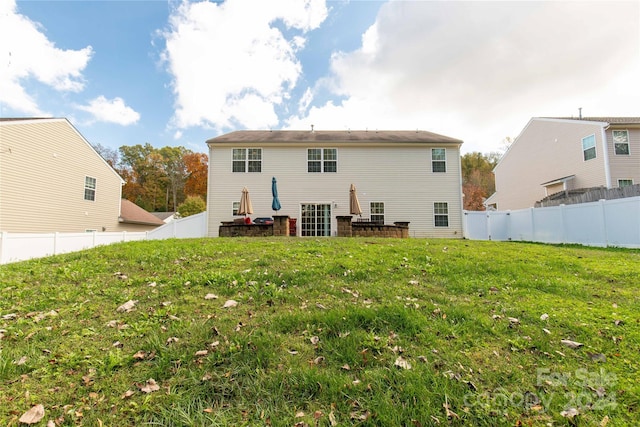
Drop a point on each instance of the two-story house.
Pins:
(553, 155)
(52, 180)
(409, 176)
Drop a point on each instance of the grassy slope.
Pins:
(317, 332)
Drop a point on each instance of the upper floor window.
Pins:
(441, 214)
(621, 142)
(322, 160)
(247, 160)
(438, 160)
(89, 188)
(589, 147)
(377, 212)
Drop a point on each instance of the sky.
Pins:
(176, 73)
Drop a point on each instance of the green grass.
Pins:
(319, 327)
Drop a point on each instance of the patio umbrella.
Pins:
(275, 205)
(353, 201)
(245, 203)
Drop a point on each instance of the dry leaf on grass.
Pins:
(402, 363)
(211, 296)
(127, 394)
(570, 413)
(33, 415)
(150, 386)
(572, 344)
(127, 306)
(314, 340)
(230, 303)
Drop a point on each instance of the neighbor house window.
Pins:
(247, 160)
(377, 212)
(621, 142)
(438, 160)
(625, 182)
(235, 208)
(589, 147)
(441, 214)
(322, 160)
(89, 188)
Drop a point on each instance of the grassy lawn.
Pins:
(306, 332)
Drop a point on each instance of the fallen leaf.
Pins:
(604, 421)
(208, 410)
(294, 352)
(544, 317)
(152, 285)
(117, 344)
(332, 419)
(140, 355)
(171, 340)
(33, 415)
(514, 320)
(346, 367)
(318, 360)
(570, 413)
(22, 361)
(414, 282)
(150, 386)
(230, 303)
(127, 306)
(299, 414)
(320, 306)
(546, 331)
(571, 344)
(597, 357)
(211, 296)
(201, 353)
(51, 423)
(317, 414)
(127, 394)
(449, 412)
(9, 316)
(314, 340)
(120, 275)
(401, 362)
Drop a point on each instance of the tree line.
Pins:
(160, 179)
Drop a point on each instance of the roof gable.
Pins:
(131, 213)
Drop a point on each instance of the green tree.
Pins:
(191, 206)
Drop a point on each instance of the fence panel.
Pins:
(604, 223)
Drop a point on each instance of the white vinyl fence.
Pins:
(22, 246)
(603, 223)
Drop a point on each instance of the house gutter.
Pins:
(605, 155)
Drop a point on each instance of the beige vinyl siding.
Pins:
(624, 166)
(42, 180)
(398, 175)
(547, 150)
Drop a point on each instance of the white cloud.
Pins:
(111, 111)
(232, 67)
(479, 71)
(30, 55)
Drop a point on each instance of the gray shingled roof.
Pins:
(611, 120)
(323, 136)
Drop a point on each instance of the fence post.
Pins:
(604, 222)
(3, 240)
(533, 225)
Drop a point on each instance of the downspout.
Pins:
(605, 155)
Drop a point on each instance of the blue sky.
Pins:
(178, 72)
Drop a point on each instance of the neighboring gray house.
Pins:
(399, 175)
(554, 155)
(51, 179)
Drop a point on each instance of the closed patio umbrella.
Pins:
(354, 204)
(245, 203)
(275, 204)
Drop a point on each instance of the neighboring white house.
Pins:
(554, 155)
(409, 176)
(52, 180)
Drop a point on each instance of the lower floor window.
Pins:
(377, 212)
(441, 214)
(235, 208)
(625, 182)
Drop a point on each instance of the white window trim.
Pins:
(438, 214)
(625, 179)
(235, 207)
(444, 160)
(85, 188)
(614, 142)
(322, 160)
(246, 158)
(595, 147)
(383, 214)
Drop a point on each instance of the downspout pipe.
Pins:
(605, 154)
